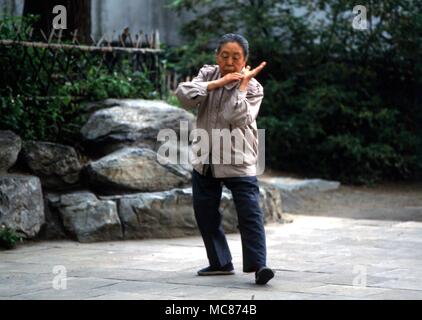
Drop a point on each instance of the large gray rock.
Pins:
(304, 185)
(87, 218)
(53, 227)
(165, 214)
(10, 146)
(131, 123)
(21, 204)
(170, 213)
(271, 203)
(135, 169)
(57, 165)
(296, 193)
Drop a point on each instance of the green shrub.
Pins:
(8, 237)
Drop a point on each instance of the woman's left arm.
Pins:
(243, 107)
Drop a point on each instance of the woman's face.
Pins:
(231, 58)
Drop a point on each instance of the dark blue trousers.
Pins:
(207, 192)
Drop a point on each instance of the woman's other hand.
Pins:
(228, 78)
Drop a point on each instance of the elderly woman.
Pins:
(228, 97)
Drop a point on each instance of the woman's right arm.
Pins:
(192, 93)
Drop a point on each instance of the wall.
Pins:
(138, 15)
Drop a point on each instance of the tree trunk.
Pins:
(78, 16)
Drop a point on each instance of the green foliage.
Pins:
(8, 237)
(339, 103)
(53, 113)
(102, 85)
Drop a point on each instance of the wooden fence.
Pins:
(58, 60)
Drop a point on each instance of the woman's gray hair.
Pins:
(233, 37)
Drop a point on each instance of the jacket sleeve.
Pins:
(192, 93)
(243, 106)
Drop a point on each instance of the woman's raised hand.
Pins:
(248, 74)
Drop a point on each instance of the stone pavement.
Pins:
(315, 258)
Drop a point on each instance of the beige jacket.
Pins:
(224, 108)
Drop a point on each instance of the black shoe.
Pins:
(217, 271)
(263, 275)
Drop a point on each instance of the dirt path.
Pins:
(387, 201)
(401, 202)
